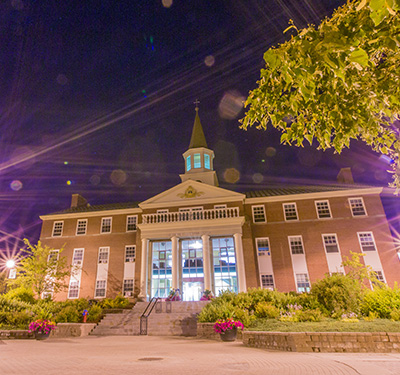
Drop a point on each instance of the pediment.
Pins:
(191, 193)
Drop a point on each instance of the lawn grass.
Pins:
(327, 325)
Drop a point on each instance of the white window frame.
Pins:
(77, 288)
(77, 226)
(53, 233)
(135, 217)
(128, 293)
(351, 206)
(307, 289)
(194, 160)
(295, 210)
(329, 209)
(263, 252)
(263, 213)
(102, 225)
(130, 259)
(78, 262)
(54, 251)
(302, 245)
(337, 243)
(273, 281)
(103, 250)
(96, 289)
(359, 235)
(209, 161)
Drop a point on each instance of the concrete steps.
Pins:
(181, 321)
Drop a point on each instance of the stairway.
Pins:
(181, 321)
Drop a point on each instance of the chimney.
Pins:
(345, 176)
(78, 201)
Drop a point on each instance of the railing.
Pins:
(146, 313)
(171, 217)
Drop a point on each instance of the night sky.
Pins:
(96, 98)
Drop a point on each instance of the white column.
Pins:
(143, 269)
(175, 262)
(206, 261)
(240, 262)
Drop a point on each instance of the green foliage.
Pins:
(95, 314)
(335, 82)
(69, 314)
(40, 271)
(22, 294)
(119, 302)
(337, 294)
(266, 310)
(312, 315)
(12, 305)
(382, 301)
(395, 315)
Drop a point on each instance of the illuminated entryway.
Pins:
(192, 270)
(224, 265)
(161, 269)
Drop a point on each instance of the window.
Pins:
(188, 163)
(296, 245)
(357, 207)
(197, 161)
(58, 228)
(77, 259)
(379, 276)
(128, 288)
(131, 222)
(73, 291)
(262, 246)
(367, 242)
(303, 283)
(323, 210)
(53, 255)
(81, 227)
(130, 254)
(330, 243)
(258, 214)
(103, 255)
(106, 225)
(100, 289)
(290, 211)
(12, 274)
(267, 282)
(207, 163)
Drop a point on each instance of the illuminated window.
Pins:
(207, 163)
(290, 211)
(130, 254)
(81, 227)
(367, 242)
(77, 259)
(296, 245)
(103, 255)
(258, 214)
(302, 282)
(262, 246)
(330, 243)
(196, 161)
(58, 228)
(188, 163)
(323, 210)
(131, 222)
(106, 225)
(100, 289)
(267, 282)
(357, 207)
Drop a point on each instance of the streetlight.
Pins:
(10, 263)
(12, 272)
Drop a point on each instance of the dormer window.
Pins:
(196, 161)
(188, 163)
(207, 164)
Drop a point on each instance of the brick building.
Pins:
(196, 236)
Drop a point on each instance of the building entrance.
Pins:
(192, 270)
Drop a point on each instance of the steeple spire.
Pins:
(198, 139)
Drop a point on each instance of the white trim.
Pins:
(136, 223)
(69, 288)
(101, 225)
(262, 238)
(319, 195)
(302, 244)
(105, 289)
(284, 205)
(351, 207)
(103, 249)
(265, 215)
(337, 242)
(77, 226)
(273, 280)
(134, 258)
(329, 209)
(373, 240)
(54, 251)
(62, 228)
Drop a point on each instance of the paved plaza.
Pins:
(177, 355)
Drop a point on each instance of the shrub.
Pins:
(395, 315)
(337, 294)
(266, 310)
(12, 305)
(21, 294)
(313, 315)
(119, 302)
(381, 301)
(95, 314)
(69, 314)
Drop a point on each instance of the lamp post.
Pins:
(10, 264)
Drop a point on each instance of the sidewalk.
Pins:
(142, 355)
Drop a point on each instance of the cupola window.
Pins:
(197, 161)
(188, 164)
(207, 164)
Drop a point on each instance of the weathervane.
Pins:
(196, 103)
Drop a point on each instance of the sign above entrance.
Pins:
(190, 192)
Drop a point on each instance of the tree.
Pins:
(42, 270)
(336, 82)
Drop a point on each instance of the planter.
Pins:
(41, 335)
(229, 334)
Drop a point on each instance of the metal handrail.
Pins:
(146, 313)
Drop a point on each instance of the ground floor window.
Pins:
(161, 273)
(128, 288)
(192, 270)
(73, 291)
(100, 291)
(224, 265)
(267, 281)
(303, 283)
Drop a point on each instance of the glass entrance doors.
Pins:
(161, 269)
(192, 270)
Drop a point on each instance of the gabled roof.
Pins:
(198, 139)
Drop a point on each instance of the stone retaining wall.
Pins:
(15, 334)
(326, 342)
(64, 330)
